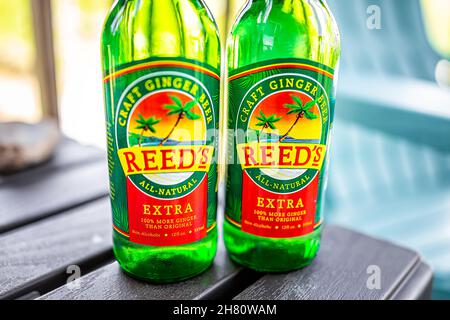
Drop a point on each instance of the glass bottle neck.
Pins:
(272, 2)
(268, 1)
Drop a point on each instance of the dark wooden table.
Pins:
(55, 220)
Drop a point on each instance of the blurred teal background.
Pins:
(390, 167)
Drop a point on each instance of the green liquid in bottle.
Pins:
(138, 33)
(288, 35)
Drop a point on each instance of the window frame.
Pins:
(45, 57)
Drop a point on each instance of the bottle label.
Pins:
(162, 125)
(280, 115)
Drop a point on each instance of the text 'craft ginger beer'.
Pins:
(161, 62)
(282, 61)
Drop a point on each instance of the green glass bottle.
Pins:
(161, 64)
(282, 62)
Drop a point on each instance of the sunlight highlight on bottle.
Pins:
(161, 63)
(282, 60)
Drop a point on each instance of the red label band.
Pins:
(159, 222)
(275, 215)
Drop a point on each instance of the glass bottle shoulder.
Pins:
(303, 29)
(138, 30)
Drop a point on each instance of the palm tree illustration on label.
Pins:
(302, 111)
(183, 111)
(266, 122)
(146, 125)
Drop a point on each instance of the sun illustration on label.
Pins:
(266, 122)
(144, 125)
(285, 117)
(167, 118)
